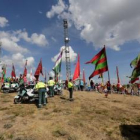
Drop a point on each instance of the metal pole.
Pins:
(108, 73)
(67, 53)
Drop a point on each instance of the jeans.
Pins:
(51, 90)
(42, 99)
(81, 87)
(71, 92)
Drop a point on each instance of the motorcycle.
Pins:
(57, 90)
(7, 87)
(14, 87)
(27, 94)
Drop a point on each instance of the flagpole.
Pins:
(102, 80)
(108, 72)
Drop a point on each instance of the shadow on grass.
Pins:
(131, 132)
(35, 102)
(63, 98)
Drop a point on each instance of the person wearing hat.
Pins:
(70, 88)
(41, 87)
(51, 86)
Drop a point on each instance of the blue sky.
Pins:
(33, 29)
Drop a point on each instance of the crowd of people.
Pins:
(129, 89)
(40, 86)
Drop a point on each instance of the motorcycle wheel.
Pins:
(17, 100)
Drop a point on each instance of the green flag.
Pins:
(135, 61)
(100, 62)
(136, 71)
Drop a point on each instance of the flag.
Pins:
(77, 69)
(135, 61)
(84, 79)
(136, 71)
(57, 67)
(38, 70)
(134, 80)
(25, 70)
(13, 73)
(3, 73)
(100, 61)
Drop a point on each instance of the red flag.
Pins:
(25, 70)
(77, 69)
(118, 84)
(38, 70)
(84, 79)
(134, 80)
(13, 74)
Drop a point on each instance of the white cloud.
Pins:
(16, 53)
(19, 60)
(10, 42)
(110, 22)
(3, 22)
(73, 55)
(12, 46)
(57, 9)
(23, 34)
(38, 39)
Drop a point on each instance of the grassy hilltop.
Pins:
(90, 116)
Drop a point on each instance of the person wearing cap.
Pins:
(51, 86)
(70, 88)
(41, 87)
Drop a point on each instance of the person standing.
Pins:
(21, 85)
(138, 89)
(92, 84)
(132, 90)
(51, 86)
(81, 85)
(108, 88)
(70, 88)
(41, 87)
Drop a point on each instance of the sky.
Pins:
(33, 30)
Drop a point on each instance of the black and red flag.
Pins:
(13, 73)
(25, 70)
(100, 62)
(38, 70)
